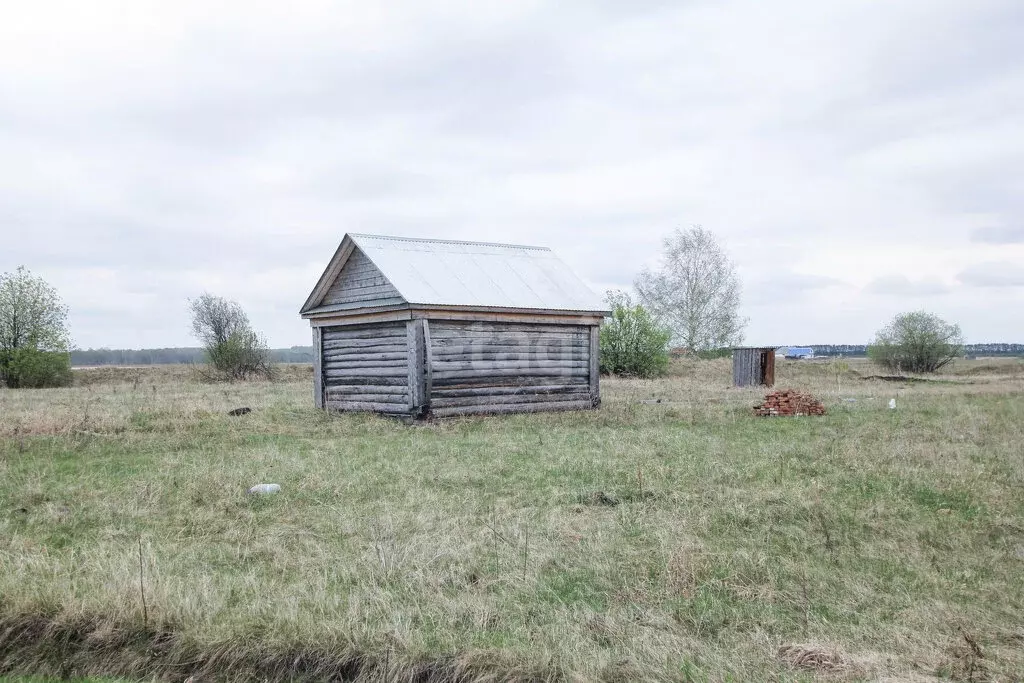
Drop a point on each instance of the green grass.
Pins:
(477, 547)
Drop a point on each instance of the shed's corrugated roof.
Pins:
(449, 273)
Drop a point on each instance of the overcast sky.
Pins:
(855, 158)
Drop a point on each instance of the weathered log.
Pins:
(448, 328)
(356, 406)
(366, 381)
(397, 399)
(394, 371)
(452, 353)
(513, 381)
(498, 344)
(366, 346)
(390, 357)
(442, 375)
(345, 389)
(583, 394)
(488, 366)
(381, 331)
(542, 389)
(528, 340)
(367, 364)
(512, 408)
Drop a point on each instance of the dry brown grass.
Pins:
(473, 548)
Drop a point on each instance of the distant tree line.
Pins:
(969, 349)
(171, 356)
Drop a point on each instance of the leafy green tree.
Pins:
(917, 342)
(632, 343)
(34, 335)
(233, 349)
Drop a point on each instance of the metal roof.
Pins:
(477, 274)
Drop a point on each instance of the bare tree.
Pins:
(232, 347)
(215, 319)
(695, 292)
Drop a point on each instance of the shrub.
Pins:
(28, 368)
(241, 356)
(917, 342)
(631, 342)
(233, 349)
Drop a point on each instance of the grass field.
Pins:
(683, 540)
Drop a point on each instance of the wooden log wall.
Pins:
(366, 367)
(499, 367)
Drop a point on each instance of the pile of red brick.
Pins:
(788, 402)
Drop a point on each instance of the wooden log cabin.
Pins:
(416, 327)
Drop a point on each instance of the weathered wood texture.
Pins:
(492, 367)
(318, 368)
(360, 282)
(416, 367)
(366, 367)
(753, 367)
(449, 368)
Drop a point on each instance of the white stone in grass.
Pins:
(265, 488)
(892, 404)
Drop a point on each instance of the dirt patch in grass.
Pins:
(814, 658)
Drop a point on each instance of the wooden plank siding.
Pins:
(753, 367)
(360, 282)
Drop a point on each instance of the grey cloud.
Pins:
(995, 274)
(900, 285)
(595, 129)
(788, 287)
(999, 235)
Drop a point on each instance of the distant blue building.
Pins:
(798, 352)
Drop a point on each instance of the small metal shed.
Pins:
(753, 366)
(431, 327)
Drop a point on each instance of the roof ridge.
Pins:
(437, 241)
